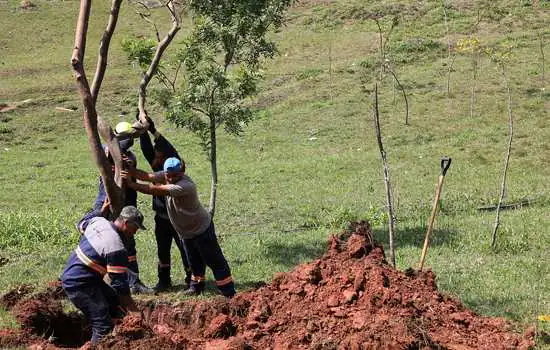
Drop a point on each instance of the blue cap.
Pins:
(172, 165)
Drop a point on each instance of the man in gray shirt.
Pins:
(191, 221)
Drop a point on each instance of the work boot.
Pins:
(193, 290)
(162, 286)
(190, 292)
(140, 288)
(187, 280)
(165, 282)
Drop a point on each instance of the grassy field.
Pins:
(309, 163)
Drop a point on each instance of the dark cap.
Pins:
(132, 214)
(125, 144)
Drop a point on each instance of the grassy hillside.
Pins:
(309, 163)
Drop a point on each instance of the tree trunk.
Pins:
(474, 83)
(451, 64)
(507, 158)
(448, 48)
(541, 48)
(213, 167)
(387, 183)
(90, 114)
(330, 67)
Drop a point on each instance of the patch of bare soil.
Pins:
(312, 3)
(26, 4)
(350, 298)
(6, 107)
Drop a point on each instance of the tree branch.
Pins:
(90, 115)
(200, 110)
(145, 17)
(173, 82)
(161, 47)
(104, 49)
(404, 96)
(380, 40)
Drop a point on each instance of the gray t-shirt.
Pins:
(185, 210)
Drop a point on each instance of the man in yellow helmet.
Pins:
(101, 208)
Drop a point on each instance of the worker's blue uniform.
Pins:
(130, 198)
(101, 251)
(164, 231)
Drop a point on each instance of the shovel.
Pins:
(445, 164)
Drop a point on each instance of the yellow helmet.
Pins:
(123, 127)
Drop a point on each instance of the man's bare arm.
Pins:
(144, 176)
(155, 190)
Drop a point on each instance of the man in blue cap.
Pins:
(191, 220)
(101, 251)
(156, 155)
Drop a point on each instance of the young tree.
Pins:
(501, 57)
(221, 59)
(472, 47)
(450, 56)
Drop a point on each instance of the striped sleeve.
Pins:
(117, 268)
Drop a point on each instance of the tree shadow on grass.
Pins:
(414, 237)
(290, 254)
(495, 306)
(211, 290)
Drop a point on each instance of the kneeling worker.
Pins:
(191, 221)
(102, 250)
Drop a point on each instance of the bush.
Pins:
(308, 73)
(414, 49)
(26, 232)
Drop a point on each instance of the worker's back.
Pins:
(100, 251)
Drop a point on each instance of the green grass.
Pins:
(308, 164)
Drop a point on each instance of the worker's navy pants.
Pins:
(164, 233)
(204, 250)
(99, 303)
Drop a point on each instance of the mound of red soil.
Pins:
(348, 299)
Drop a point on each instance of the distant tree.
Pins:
(472, 47)
(450, 57)
(221, 60)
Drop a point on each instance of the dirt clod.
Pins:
(8, 300)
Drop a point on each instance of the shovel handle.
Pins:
(445, 164)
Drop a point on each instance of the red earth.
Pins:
(350, 298)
